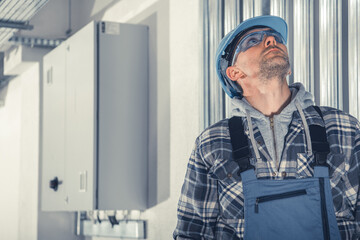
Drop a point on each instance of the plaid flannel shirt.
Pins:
(211, 204)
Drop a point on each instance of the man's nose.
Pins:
(270, 40)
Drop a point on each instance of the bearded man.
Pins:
(280, 167)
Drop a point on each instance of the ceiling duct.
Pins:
(16, 14)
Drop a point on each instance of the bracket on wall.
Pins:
(16, 25)
(36, 42)
(135, 229)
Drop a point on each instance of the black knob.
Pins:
(54, 184)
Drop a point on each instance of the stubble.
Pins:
(274, 67)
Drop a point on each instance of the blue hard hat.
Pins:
(227, 46)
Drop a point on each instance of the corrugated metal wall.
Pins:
(323, 44)
(354, 57)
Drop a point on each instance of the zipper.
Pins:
(324, 210)
(274, 142)
(277, 197)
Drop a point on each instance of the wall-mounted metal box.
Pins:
(94, 146)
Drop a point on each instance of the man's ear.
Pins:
(234, 73)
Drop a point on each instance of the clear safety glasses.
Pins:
(254, 39)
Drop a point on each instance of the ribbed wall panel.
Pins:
(278, 8)
(330, 53)
(232, 18)
(216, 33)
(354, 57)
(303, 39)
(248, 9)
(283, 9)
(212, 97)
(205, 74)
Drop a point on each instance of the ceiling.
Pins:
(15, 15)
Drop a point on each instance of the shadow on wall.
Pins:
(3, 92)
(4, 81)
(158, 167)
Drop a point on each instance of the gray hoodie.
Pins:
(281, 121)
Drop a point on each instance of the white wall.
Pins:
(19, 131)
(29, 154)
(184, 103)
(174, 106)
(10, 137)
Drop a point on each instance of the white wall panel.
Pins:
(10, 139)
(29, 159)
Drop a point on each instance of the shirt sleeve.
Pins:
(357, 166)
(349, 226)
(198, 204)
(357, 233)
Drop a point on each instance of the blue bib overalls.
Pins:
(295, 209)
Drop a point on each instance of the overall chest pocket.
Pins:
(230, 189)
(344, 201)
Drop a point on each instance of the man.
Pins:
(280, 168)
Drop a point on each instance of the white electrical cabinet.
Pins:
(94, 145)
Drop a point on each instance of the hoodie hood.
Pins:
(298, 93)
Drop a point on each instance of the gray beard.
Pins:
(274, 69)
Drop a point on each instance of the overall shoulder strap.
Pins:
(319, 112)
(240, 145)
(319, 142)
